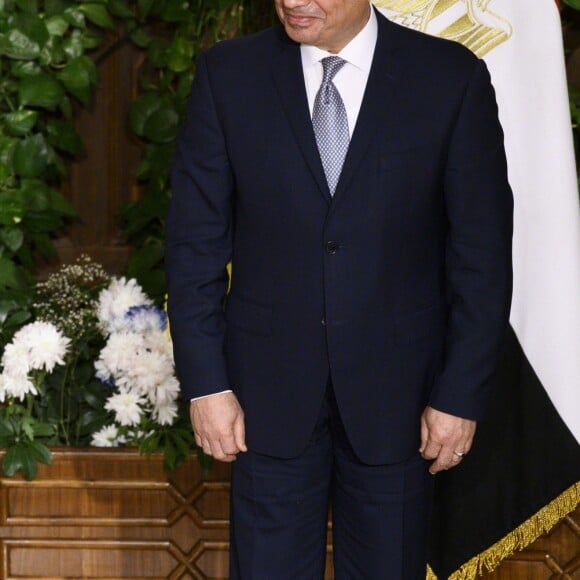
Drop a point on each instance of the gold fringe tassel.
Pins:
(518, 539)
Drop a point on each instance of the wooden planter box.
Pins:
(115, 514)
(107, 514)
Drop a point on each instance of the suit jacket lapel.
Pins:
(379, 108)
(289, 80)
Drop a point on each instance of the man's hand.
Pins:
(445, 438)
(218, 426)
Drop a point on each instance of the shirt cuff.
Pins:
(210, 395)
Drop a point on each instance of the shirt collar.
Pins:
(358, 52)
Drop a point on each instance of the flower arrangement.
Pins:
(95, 367)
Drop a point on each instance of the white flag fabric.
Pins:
(521, 42)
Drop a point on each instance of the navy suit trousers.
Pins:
(279, 511)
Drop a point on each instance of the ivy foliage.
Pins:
(45, 70)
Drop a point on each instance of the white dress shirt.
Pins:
(350, 80)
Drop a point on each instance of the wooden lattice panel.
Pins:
(97, 514)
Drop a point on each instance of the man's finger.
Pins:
(240, 433)
(228, 445)
(424, 435)
(205, 445)
(444, 460)
(431, 450)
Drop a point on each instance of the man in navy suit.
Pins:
(357, 346)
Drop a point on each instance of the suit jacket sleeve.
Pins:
(198, 244)
(479, 207)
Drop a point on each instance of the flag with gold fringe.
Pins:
(522, 475)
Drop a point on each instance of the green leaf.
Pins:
(42, 90)
(22, 69)
(19, 46)
(142, 109)
(61, 205)
(29, 6)
(66, 109)
(42, 223)
(31, 156)
(9, 275)
(98, 14)
(161, 126)
(180, 55)
(12, 461)
(42, 429)
(32, 26)
(175, 11)
(182, 439)
(12, 208)
(120, 9)
(157, 53)
(52, 7)
(184, 85)
(573, 3)
(79, 76)
(75, 17)
(43, 244)
(40, 451)
(7, 146)
(145, 7)
(140, 37)
(35, 195)
(20, 123)
(57, 25)
(90, 40)
(26, 425)
(6, 428)
(144, 259)
(17, 319)
(154, 283)
(6, 306)
(63, 135)
(21, 457)
(12, 238)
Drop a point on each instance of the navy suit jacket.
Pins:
(399, 286)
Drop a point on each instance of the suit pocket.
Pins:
(248, 316)
(420, 324)
(405, 157)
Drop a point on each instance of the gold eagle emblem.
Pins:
(469, 22)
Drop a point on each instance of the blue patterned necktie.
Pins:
(330, 123)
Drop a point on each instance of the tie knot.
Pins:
(330, 66)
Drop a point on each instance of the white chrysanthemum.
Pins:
(160, 342)
(148, 369)
(116, 300)
(145, 319)
(127, 408)
(166, 392)
(165, 414)
(119, 353)
(47, 346)
(3, 393)
(18, 386)
(108, 436)
(16, 360)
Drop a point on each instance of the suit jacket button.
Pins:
(323, 322)
(331, 247)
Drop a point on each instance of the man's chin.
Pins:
(303, 32)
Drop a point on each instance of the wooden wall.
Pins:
(103, 179)
(114, 514)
